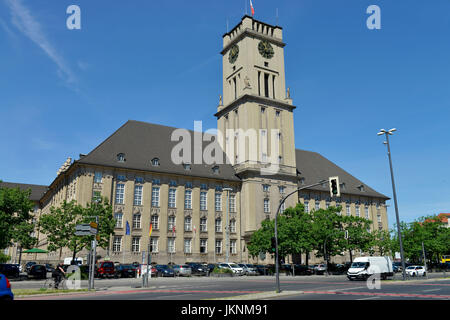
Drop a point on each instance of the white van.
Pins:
(364, 267)
(68, 261)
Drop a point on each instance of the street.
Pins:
(435, 287)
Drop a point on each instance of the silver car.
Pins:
(249, 269)
(182, 270)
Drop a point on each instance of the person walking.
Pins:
(58, 274)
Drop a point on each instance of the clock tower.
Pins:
(255, 119)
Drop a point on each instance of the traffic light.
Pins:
(273, 244)
(334, 187)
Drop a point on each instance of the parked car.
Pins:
(263, 270)
(182, 270)
(210, 267)
(10, 270)
(28, 266)
(197, 269)
(414, 271)
(19, 266)
(37, 271)
(105, 269)
(5, 288)
(233, 267)
(163, 270)
(49, 267)
(301, 269)
(249, 269)
(320, 269)
(125, 271)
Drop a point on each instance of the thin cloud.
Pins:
(31, 28)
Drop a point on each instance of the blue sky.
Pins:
(62, 92)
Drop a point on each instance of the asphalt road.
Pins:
(257, 288)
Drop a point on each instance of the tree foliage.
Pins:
(60, 224)
(15, 218)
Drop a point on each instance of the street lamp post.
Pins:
(277, 272)
(227, 226)
(402, 256)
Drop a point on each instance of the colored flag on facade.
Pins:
(253, 9)
(127, 231)
(173, 229)
(150, 232)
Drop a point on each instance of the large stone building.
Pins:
(189, 202)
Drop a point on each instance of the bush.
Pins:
(222, 270)
(4, 258)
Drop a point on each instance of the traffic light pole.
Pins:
(277, 271)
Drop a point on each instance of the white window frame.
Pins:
(218, 201)
(306, 204)
(172, 197)
(120, 193)
(203, 200)
(266, 205)
(136, 246)
(203, 226)
(137, 221)
(218, 246)
(204, 244)
(233, 226)
(218, 225)
(155, 196)
(188, 199)
(137, 195)
(117, 244)
(98, 177)
(171, 222)
(233, 247)
(171, 245)
(154, 219)
(154, 244)
(187, 245)
(187, 223)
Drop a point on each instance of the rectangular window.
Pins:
(121, 177)
(218, 201)
(358, 212)
(218, 225)
(366, 211)
(188, 199)
(203, 225)
(120, 193)
(117, 244)
(155, 197)
(171, 245)
(136, 244)
(171, 223)
(155, 222)
(273, 86)
(283, 207)
(98, 177)
(137, 195)
(188, 224)
(187, 245)
(266, 187)
(154, 245)
(139, 180)
(233, 247)
(282, 189)
(172, 197)
(203, 197)
(218, 246)
(232, 203)
(306, 206)
(233, 226)
(203, 245)
(266, 206)
(136, 221)
(259, 83)
(347, 208)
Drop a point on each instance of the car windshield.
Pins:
(185, 266)
(233, 265)
(107, 265)
(358, 264)
(410, 268)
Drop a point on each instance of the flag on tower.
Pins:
(253, 9)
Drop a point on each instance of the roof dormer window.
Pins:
(215, 170)
(121, 157)
(155, 162)
(187, 166)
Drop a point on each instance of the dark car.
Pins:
(105, 269)
(29, 265)
(5, 288)
(50, 268)
(264, 270)
(163, 270)
(10, 270)
(300, 269)
(38, 271)
(125, 271)
(210, 267)
(197, 269)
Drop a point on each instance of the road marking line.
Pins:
(430, 290)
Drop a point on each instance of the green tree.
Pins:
(106, 222)
(381, 241)
(15, 217)
(359, 237)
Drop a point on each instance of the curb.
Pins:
(261, 296)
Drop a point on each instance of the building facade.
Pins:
(192, 204)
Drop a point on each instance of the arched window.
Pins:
(155, 162)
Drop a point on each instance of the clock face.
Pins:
(266, 49)
(234, 53)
